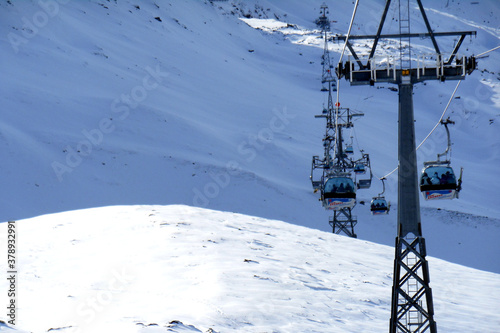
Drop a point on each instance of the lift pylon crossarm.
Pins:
(376, 38)
(411, 35)
(387, 72)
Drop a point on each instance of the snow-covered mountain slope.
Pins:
(145, 268)
(182, 102)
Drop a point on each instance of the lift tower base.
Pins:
(344, 221)
(412, 305)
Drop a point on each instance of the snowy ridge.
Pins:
(184, 269)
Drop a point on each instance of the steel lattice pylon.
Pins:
(343, 221)
(412, 309)
(412, 304)
(335, 161)
(327, 71)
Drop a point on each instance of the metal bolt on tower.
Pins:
(412, 309)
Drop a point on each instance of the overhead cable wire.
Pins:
(345, 45)
(433, 129)
(493, 49)
(349, 31)
(442, 115)
(337, 105)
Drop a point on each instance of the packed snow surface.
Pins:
(211, 104)
(145, 268)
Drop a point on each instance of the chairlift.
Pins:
(438, 181)
(349, 148)
(333, 84)
(359, 169)
(364, 183)
(316, 182)
(323, 21)
(380, 206)
(339, 192)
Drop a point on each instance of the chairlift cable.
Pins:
(349, 31)
(345, 45)
(356, 137)
(437, 124)
(442, 115)
(493, 49)
(337, 105)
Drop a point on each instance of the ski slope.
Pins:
(159, 103)
(146, 268)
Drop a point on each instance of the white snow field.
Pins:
(140, 268)
(211, 104)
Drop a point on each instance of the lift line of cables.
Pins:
(442, 115)
(337, 105)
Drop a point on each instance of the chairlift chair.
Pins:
(339, 192)
(378, 205)
(359, 169)
(438, 181)
(364, 183)
(316, 181)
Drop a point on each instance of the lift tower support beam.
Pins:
(408, 200)
(412, 309)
